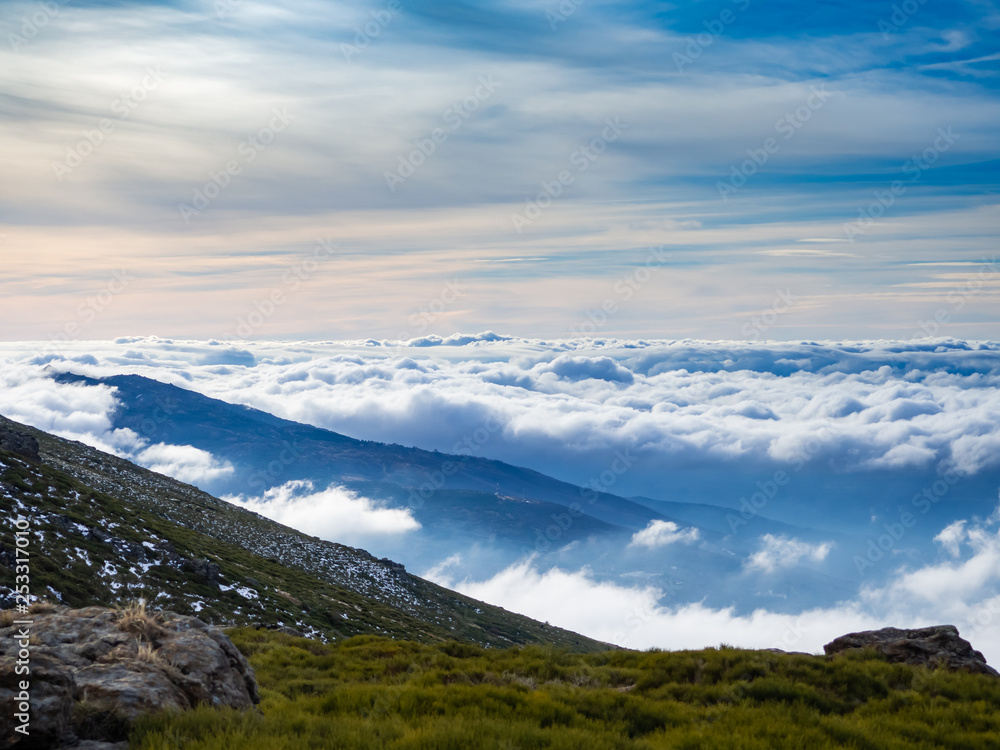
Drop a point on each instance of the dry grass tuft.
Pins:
(133, 618)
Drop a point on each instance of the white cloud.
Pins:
(29, 395)
(954, 586)
(335, 514)
(661, 533)
(964, 591)
(780, 552)
(184, 463)
(438, 572)
(638, 617)
(951, 537)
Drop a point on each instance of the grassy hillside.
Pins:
(373, 693)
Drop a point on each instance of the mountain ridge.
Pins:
(106, 531)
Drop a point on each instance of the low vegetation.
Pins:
(370, 692)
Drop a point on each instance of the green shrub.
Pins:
(374, 693)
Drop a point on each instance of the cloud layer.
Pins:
(572, 407)
(964, 592)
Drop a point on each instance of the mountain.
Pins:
(267, 450)
(101, 530)
(487, 513)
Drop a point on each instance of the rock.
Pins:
(23, 445)
(63, 522)
(938, 646)
(95, 670)
(395, 567)
(205, 568)
(98, 534)
(51, 693)
(133, 551)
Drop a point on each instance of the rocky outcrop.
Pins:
(95, 670)
(938, 646)
(205, 568)
(23, 445)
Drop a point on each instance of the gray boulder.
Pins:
(23, 445)
(205, 568)
(95, 670)
(937, 646)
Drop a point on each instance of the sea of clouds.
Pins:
(568, 408)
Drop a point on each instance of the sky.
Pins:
(310, 169)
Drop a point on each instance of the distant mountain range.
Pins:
(491, 513)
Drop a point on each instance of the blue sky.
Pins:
(535, 168)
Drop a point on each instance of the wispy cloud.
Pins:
(224, 74)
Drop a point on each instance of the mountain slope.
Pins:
(267, 450)
(104, 531)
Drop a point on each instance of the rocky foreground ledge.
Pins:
(94, 670)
